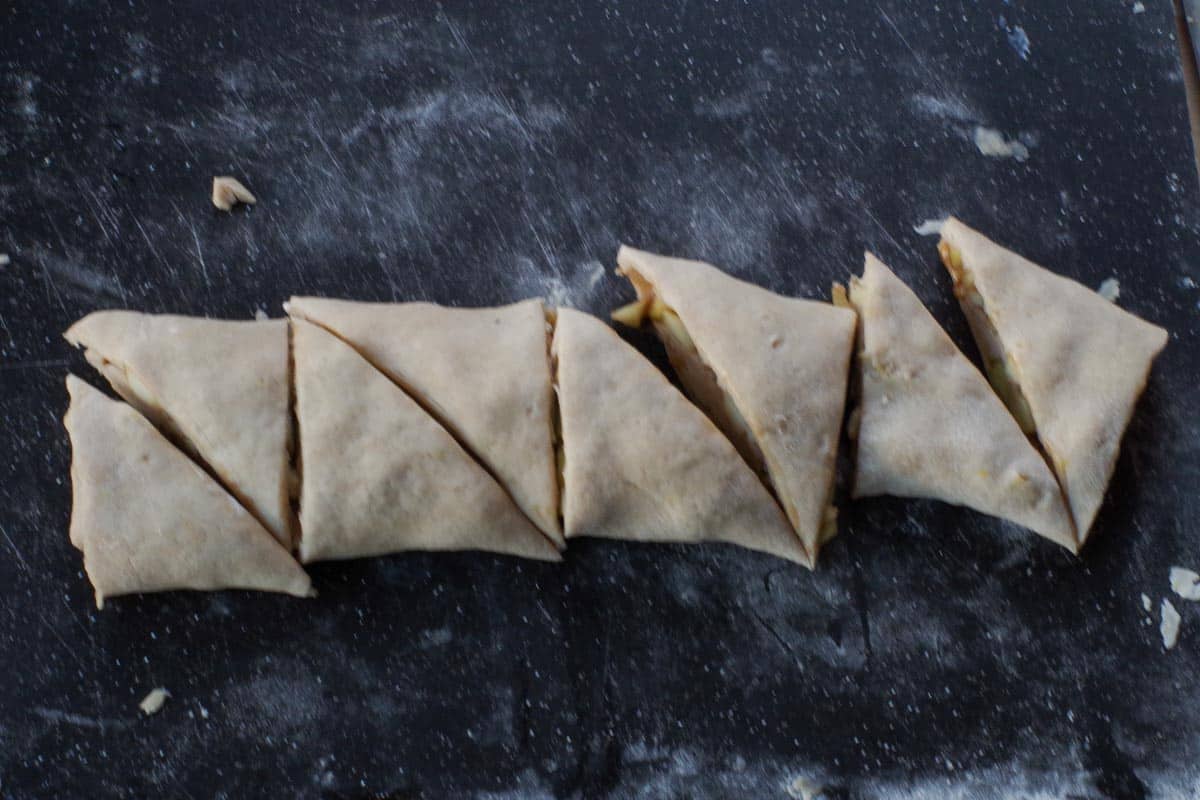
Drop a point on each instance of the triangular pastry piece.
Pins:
(928, 423)
(219, 388)
(641, 462)
(1070, 364)
(379, 475)
(484, 373)
(148, 519)
(771, 371)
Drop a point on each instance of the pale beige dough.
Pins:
(929, 423)
(642, 463)
(1079, 361)
(484, 373)
(218, 387)
(380, 475)
(770, 370)
(148, 519)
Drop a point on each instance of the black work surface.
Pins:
(480, 153)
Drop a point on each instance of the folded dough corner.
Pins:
(771, 371)
(640, 462)
(380, 475)
(928, 423)
(1071, 364)
(218, 388)
(186, 533)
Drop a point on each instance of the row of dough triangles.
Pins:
(1069, 364)
(425, 427)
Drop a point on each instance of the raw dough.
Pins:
(1076, 360)
(770, 370)
(929, 424)
(218, 387)
(148, 519)
(484, 373)
(643, 463)
(228, 192)
(379, 475)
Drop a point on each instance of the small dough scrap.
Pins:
(642, 463)
(1168, 628)
(153, 702)
(228, 191)
(148, 519)
(219, 388)
(929, 424)
(1185, 583)
(771, 372)
(1070, 364)
(380, 475)
(483, 373)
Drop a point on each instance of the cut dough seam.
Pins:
(425, 406)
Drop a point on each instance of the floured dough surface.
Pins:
(783, 362)
(931, 426)
(148, 519)
(1079, 361)
(379, 475)
(217, 387)
(483, 372)
(642, 463)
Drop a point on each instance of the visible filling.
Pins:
(556, 439)
(1001, 370)
(697, 377)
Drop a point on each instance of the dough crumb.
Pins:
(1139, 7)
(260, 315)
(4, 260)
(227, 191)
(1110, 289)
(992, 143)
(804, 789)
(930, 227)
(153, 702)
(1146, 604)
(1185, 583)
(1169, 627)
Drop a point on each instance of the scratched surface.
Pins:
(469, 155)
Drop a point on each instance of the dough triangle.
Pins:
(1070, 363)
(643, 463)
(929, 424)
(484, 373)
(379, 475)
(770, 370)
(219, 388)
(148, 519)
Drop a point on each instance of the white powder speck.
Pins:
(153, 702)
(930, 227)
(993, 144)
(1139, 8)
(1110, 289)
(4, 260)
(1146, 604)
(1185, 583)
(804, 789)
(1169, 627)
(1018, 40)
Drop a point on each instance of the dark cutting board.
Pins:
(477, 153)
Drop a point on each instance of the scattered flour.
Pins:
(1185, 583)
(153, 702)
(1169, 627)
(1146, 604)
(1018, 40)
(260, 315)
(1110, 289)
(1139, 7)
(4, 260)
(993, 144)
(930, 227)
